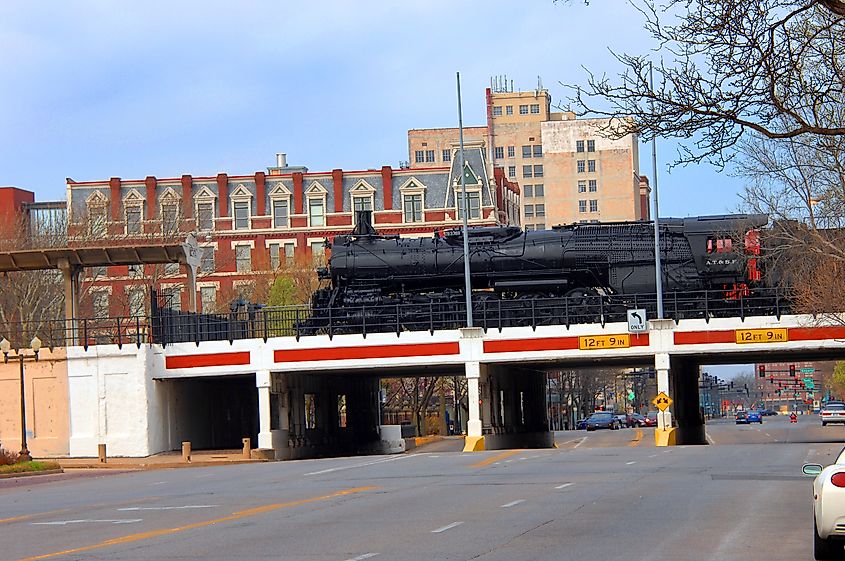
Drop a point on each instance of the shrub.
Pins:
(7, 458)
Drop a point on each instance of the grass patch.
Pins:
(28, 466)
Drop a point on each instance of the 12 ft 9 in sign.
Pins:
(597, 342)
(778, 335)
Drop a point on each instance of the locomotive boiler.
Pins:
(576, 262)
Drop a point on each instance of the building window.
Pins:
(528, 191)
(412, 205)
(207, 264)
(582, 186)
(539, 190)
(591, 165)
(540, 210)
(419, 156)
(447, 155)
(135, 271)
(172, 298)
(275, 259)
(538, 150)
(289, 247)
(208, 299)
(591, 146)
(97, 217)
(171, 269)
(243, 258)
(594, 205)
(529, 211)
(429, 156)
(508, 109)
(136, 302)
(582, 206)
(497, 110)
(511, 151)
(205, 217)
(474, 200)
(280, 213)
(316, 214)
(133, 219)
(361, 204)
(581, 166)
(318, 252)
(523, 110)
(511, 171)
(241, 215)
(169, 217)
(535, 108)
(579, 145)
(526, 151)
(526, 171)
(538, 170)
(100, 301)
(499, 152)
(593, 186)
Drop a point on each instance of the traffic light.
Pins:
(792, 370)
(761, 370)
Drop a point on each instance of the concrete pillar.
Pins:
(192, 287)
(661, 365)
(473, 373)
(262, 382)
(70, 276)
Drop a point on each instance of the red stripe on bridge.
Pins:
(358, 353)
(211, 359)
(729, 335)
(549, 344)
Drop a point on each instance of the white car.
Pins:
(828, 508)
(833, 412)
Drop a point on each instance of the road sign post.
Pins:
(637, 321)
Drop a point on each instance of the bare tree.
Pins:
(724, 69)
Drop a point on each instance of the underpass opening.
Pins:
(213, 413)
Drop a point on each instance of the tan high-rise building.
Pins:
(568, 170)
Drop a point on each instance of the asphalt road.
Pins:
(611, 495)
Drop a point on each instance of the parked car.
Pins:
(754, 417)
(651, 419)
(828, 507)
(580, 424)
(833, 412)
(639, 420)
(741, 418)
(602, 420)
(768, 413)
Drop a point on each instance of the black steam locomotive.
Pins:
(579, 267)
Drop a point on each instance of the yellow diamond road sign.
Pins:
(662, 401)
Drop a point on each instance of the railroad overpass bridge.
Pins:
(319, 395)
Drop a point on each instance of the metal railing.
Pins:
(170, 326)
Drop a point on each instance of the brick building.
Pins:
(567, 169)
(251, 225)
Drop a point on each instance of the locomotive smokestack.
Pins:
(363, 223)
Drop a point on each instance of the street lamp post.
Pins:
(6, 347)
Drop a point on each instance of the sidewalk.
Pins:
(165, 460)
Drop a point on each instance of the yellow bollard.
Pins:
(246, 448)
(186, 451)
(101, 453)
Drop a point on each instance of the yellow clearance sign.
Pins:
(775, 335)
(597, 342)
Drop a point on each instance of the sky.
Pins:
(95, 89)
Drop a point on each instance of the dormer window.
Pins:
(133, 211)
(241, 207)
(204, 209)
(316, 196)
(280, 206)
(413, 199)
(169, 211)
(97, 207)
(363, 198)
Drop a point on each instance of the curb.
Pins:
(31, 473)
(149, 467)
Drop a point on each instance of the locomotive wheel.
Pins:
(583, 306)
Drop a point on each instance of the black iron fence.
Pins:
(167, 326)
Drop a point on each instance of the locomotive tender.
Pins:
(584, 262)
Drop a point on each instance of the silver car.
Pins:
(833, 412)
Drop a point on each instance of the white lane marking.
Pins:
(365, 556)
(158, 483)
(653, 456)
(512, 503)
(447, 527)
(630, 463)
(365, 464)
(204, 475)
(508, 461)
(563, 486)
(535, 457)
(429, 457)
(186, 507)
(580, 443)
(523, 458)
(66, 522)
